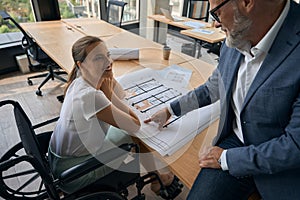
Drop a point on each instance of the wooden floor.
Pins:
(14, 86)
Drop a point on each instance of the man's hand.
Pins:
(209, 157)
(160, 117)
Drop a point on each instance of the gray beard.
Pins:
(242, 26)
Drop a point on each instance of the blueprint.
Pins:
(148, 91)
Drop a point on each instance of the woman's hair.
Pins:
(79, 53)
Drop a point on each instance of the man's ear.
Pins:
(248, 5)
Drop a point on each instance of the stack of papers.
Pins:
(150, 90)
(204, 31)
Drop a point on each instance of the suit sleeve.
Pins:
(201, 96)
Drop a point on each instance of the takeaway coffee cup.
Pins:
(166, 52)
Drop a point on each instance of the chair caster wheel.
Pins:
(60, 98)
(39, 93)
(29, 82)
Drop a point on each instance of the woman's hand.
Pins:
(118, 89)
(107, 84)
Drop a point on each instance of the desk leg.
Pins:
(199, 49)
(195, 47)
(156, 31)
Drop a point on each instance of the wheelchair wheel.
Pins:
(22, 181)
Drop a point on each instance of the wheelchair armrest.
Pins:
(45, 123)
(96, 162)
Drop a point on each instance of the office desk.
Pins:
(162, 19)
(183, 163)
(215, 37)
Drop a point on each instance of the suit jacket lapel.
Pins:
(279, 51)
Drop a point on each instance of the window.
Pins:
(176, 6)
(20, 10)
(131, 11)
(90, 8)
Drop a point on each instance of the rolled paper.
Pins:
(124, 53)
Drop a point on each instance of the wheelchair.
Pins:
(25, 172)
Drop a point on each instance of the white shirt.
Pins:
(250, 65)
(78, 131)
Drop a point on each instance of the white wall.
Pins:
(151, 7)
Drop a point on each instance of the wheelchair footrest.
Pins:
(173, 190)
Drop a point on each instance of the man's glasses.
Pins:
(213, 11)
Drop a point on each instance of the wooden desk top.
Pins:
(90, 26)
(153, 58)
(127, 39)
(61, 54)
(201, 71)
(49, 32)
(216, 36)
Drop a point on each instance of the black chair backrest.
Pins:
(46, 10)
(115, 11)
(32, 147)
(203, 13)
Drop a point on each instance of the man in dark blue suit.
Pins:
(258, 84)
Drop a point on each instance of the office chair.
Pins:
(204, 11)
(33, 51)
(25, 171)
(115, 11)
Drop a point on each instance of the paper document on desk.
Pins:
(204, 31)
(194, 24)
(150, 90)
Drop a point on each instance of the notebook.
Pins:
(168, 15)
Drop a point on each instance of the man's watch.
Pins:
(219, 161)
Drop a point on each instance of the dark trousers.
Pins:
(216, 184)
